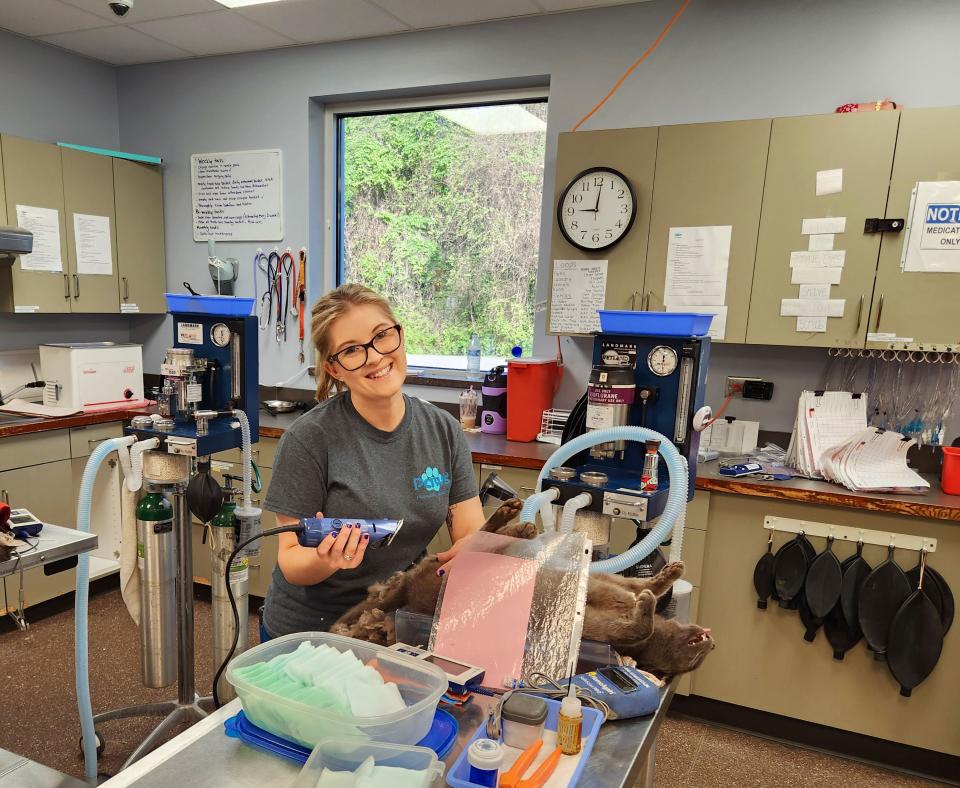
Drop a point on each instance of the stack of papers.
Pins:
(824, 420)
(732, 436)
(874, 460)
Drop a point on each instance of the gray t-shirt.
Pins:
(331, 460)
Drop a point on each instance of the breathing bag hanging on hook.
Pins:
(204, 493)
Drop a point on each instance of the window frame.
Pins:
(333, 159)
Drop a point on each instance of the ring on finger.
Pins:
(348, 557)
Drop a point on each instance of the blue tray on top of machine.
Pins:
(225, 306)
(663, 324)
(440, 738)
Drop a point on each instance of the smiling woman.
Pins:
(365, 451)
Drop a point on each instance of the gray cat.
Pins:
(620, 610)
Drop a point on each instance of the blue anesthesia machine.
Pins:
(649, 381)
(211, 370)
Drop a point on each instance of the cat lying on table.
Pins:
(620, 610)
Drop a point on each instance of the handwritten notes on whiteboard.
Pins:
(237, 196)
(579, 290)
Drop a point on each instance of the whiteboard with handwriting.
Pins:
(236, 196)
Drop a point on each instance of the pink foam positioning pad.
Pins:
(485, 613)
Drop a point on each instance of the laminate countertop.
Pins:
(497, 450)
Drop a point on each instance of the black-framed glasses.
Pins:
(352, 358)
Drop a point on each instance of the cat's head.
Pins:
(674, 648)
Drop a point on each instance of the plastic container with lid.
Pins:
(523, 717)
(227, 306)
(664, 324)
(347, 754)
(531, 384)
(420, 683)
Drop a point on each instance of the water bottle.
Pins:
(473, 355)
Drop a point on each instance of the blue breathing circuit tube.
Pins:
(84, 705)
(674, 512)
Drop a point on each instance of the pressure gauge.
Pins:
(220, 334)
(662, 360)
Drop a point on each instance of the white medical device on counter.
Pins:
(461, 676)
(91, 374)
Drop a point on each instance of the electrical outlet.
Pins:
(735, 386)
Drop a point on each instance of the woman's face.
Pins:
(382, 375)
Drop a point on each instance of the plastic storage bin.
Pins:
(228, 306)
(420, 683)
(531, 384)
(346, 754)
(667, 324)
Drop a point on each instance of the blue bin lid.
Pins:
(440, 738)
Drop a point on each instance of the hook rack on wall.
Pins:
(846, 533)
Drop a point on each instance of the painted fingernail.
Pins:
(366, 537)
(441, 572)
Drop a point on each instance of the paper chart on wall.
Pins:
(932, 242)
(718, 326)
(237, 195)
(44, 223)
(697, 263)
(815, 276)
(827, 224)
(579, 290)
(92, 238)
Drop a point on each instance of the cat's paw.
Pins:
(519, 530)
(504, 515)
(672, 572)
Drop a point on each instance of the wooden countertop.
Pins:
(497, 450)
(28, 424)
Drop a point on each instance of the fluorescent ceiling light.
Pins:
(495, 119)
(243, 3)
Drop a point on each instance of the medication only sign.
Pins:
(933, 233)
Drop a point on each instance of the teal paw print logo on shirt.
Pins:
(431, 482)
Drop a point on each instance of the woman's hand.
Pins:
(343, 551)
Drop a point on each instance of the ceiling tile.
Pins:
(118, 45)
(214, 34)
(429, 13)
(146, 10)
(310, 21)
(44, 17)
(572, 5)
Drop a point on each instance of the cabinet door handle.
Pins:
(126, 289)
(633, 300)
(879, 313)
(76, 286)
(6, 497)
(646, 301)
(859, 312)
(66, 286)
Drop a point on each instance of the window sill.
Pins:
(443, 378)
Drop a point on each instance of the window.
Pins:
(439, 210)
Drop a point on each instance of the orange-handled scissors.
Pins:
(514, 777)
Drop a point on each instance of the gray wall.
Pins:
(726, 59)
(50, 95)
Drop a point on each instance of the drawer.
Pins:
(83, 440)
(263, 453)
(20, 451)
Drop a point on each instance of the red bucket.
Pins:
(950, 479)
(531, 384)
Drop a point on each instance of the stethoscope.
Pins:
(275, 300)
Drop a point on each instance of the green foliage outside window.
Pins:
(446, 224)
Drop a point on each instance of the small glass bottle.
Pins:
(651, 460)
(570, 722)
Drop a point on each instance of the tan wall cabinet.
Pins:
(88, 190)
(862, 145)
(32, 176)
(633, 152)
(710, 174)
(140, 249)
(920, 306)
(129, 194)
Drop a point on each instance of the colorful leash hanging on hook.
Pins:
(302, 297)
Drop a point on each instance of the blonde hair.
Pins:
(328, 308)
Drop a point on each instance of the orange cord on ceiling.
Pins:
(644, 56)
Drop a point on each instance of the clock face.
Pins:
(662, 360)
(597, 209)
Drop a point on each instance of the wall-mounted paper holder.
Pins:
(846, 533)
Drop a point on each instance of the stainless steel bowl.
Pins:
(276, 406)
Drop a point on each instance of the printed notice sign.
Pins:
(933, 230)
(237, 196)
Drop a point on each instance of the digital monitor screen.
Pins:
(451, 668)
(620, 680)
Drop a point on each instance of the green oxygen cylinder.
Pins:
(224, 537)
(157, 561)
